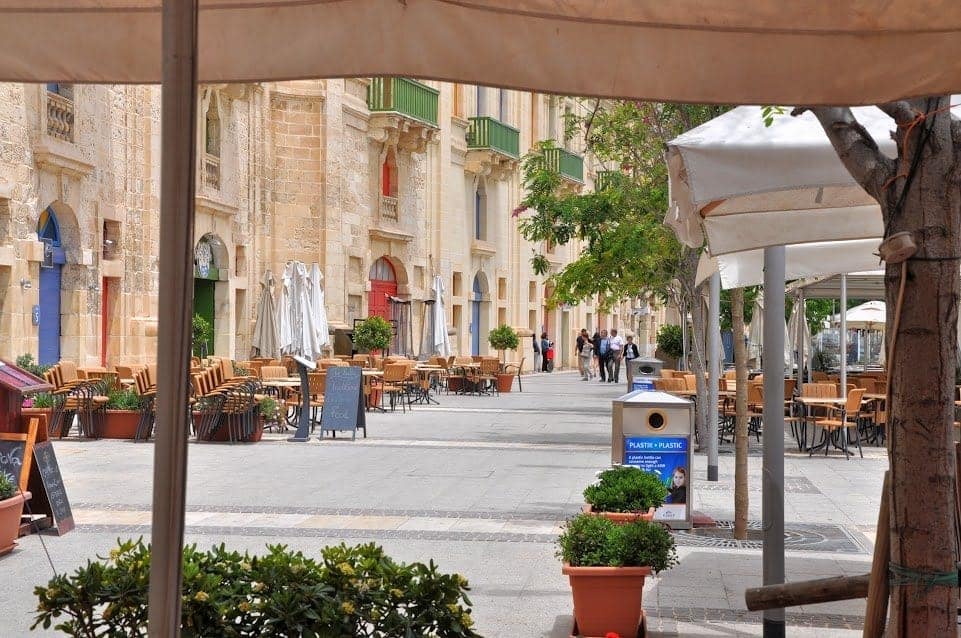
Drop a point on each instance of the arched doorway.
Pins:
(51, 271)
(210, 261)
(478, 318)
(383, 282)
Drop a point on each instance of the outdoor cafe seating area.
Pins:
(227, 397)
(821, 417)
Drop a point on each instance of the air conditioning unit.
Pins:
(47, 255)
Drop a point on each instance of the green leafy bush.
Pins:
(374, 333)
(123, 400)
(43, 400)
(202, 334)
(626, 489)
(269, 409)
(8, 486)
(503, 337)
(670, 341)
(594, 541)
(352, 592)
(26, 362)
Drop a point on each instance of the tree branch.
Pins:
(855, 147)
(901, 111)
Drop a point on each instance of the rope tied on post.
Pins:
(900, 576)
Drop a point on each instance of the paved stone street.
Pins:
(481, 485)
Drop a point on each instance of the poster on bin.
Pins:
(666, 456)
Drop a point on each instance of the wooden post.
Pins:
(876, 614)
(808, 592)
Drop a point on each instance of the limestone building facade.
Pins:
(385, 183)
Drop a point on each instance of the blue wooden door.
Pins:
(475, 317)
(49, 351)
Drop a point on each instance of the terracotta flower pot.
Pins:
(607, 598)
(504, 382)
(621, 517)
(120, 424)
(10, 512)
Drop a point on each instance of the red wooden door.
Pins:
(377, 301)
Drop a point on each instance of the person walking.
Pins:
(537, 353)
(595, 341)
(617, 351)
(630, 353)
(584, 351)
(603, 354)
(545, 346)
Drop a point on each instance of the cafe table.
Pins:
(812, 402)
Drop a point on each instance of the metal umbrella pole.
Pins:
(714, 374)
(177, 185)
(772, 484)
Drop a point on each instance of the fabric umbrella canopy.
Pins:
(266, 341)
(318, 310)
(798, 323)
(441, 345)
(302, 331)
(755, 335)
(285, 337)
(687, 50)
(868, 316)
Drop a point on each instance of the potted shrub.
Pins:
(625, 493)
(607, 564)
(123, 415)
(503, 338)
(372, 334)
(11, 508)
(269, 417)
(351, 591)
(41, 404)
(202, 334)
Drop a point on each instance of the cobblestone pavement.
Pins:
(481, 485)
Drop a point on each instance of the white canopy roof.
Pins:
(749, 186)
(800, 260)
(860, 285)
(855, 52)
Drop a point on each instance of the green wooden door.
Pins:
(204, 306)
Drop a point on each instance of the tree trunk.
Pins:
(740, 422)
(698, 364)
(921, 371)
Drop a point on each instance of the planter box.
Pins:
(120, 424)
(621, 517)
(10, 513)
(505, 382)
(607, 598)
(641, 630)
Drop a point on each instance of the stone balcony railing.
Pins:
(211, 172)
(388, 207)
(60, 116)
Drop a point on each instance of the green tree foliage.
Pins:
(670, 340)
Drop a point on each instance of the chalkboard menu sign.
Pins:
(12, 453)
(54, 491)
(343, 401)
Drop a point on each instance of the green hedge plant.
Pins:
(625, 489)
(373, 333)
(125, 399)
(352, 591)
(8, 488)
(594, 541)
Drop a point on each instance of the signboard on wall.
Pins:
(669, 458)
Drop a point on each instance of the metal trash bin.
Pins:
(643, 371)
(652, 431)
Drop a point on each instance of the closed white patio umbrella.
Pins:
(284, 332)
(318, 310)
(265, 341)
(441, 338)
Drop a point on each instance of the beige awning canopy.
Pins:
(723, 51)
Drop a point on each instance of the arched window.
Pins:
(480, 212)
(381, 270)
(48, 230)
(212, 127)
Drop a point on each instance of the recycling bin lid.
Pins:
(648, 360)
(648, 398)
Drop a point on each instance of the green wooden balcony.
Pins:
(488, 133)
(404, 96)
(569, 165)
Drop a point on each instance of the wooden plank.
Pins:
(807, 592)
(876, 614)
